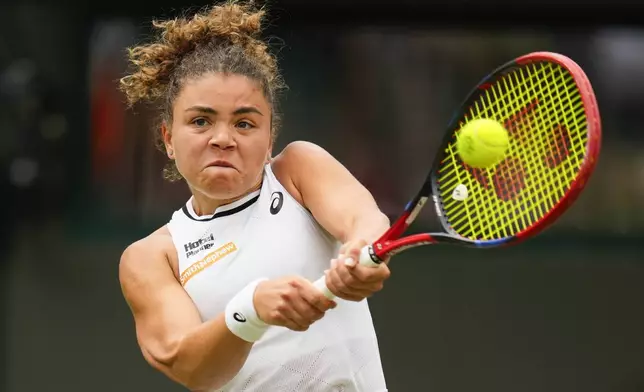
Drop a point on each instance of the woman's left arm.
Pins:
(344, 207)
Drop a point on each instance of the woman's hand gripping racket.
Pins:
(547, 105)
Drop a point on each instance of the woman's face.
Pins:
(220, 136)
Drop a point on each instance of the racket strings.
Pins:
(540, 147)
(521, 222)
(542, 109)
(526, 142)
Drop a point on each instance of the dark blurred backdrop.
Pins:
(374, 82)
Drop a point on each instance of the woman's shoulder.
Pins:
(154, 247)
(290, 164)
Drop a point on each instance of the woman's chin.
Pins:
(222, 184)
(219, 175)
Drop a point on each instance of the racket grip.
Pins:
(365, 259)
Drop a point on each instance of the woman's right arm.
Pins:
(173, 339)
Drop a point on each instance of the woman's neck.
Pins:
(204, 205)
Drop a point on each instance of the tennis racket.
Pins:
(546, 103)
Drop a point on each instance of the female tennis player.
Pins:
(221, 295)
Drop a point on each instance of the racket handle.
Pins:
(365, 259)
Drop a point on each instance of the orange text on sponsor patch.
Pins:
(207, 261)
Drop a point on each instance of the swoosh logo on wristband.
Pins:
(239, 317)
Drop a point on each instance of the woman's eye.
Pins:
(200, 122)
(244, 125)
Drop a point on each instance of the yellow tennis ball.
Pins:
(482, 143)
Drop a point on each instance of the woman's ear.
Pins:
(269, 153)
(167, 139)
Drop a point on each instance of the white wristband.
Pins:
(241, 317)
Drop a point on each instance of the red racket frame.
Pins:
(391, 242)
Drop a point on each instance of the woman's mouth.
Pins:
(221, 163)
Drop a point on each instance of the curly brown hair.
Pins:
(222, 38)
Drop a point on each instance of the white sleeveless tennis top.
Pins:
(268, 233)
